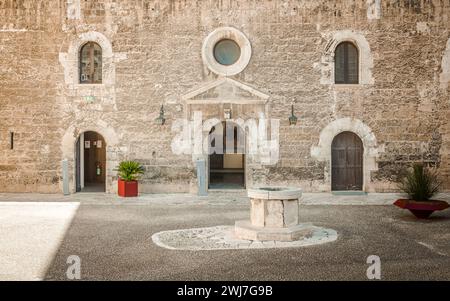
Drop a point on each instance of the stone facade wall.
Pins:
(152, 56)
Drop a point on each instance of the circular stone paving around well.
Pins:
(223, 238)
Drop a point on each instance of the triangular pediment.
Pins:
(225, 90)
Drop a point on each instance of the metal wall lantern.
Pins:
(292, 118)
(161, 120)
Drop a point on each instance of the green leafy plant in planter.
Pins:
(129, 170)
(420, 184)
(128, 173)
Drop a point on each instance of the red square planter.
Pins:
(128, 188)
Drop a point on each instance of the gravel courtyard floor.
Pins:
(112, 237)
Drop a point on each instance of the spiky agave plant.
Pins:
(420, 183)
(129, 170)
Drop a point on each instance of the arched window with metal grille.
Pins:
(346, 64)
(91, 63)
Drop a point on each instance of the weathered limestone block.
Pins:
(257, 212)
(290, 212)
(270, 213)
(273, 215)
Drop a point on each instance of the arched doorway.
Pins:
(226, 156)
(347, 162)
(90, 162)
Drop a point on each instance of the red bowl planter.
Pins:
(421, 209)
(128, 188)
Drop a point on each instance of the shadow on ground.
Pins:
(114, 243)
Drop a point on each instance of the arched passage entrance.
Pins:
(226, 156)
(347, 162)
(90, 162)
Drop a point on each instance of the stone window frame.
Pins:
(70, 60)
(322, 151)
(223, 33)
(365, 58)
(444, 77)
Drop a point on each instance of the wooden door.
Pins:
(347, 162)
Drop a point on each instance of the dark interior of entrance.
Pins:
(90, 163)
(347, 162)
(227, 169)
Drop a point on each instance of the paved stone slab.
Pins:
(214, 198)
(222, 237)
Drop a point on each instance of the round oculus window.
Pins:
(227, 52)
